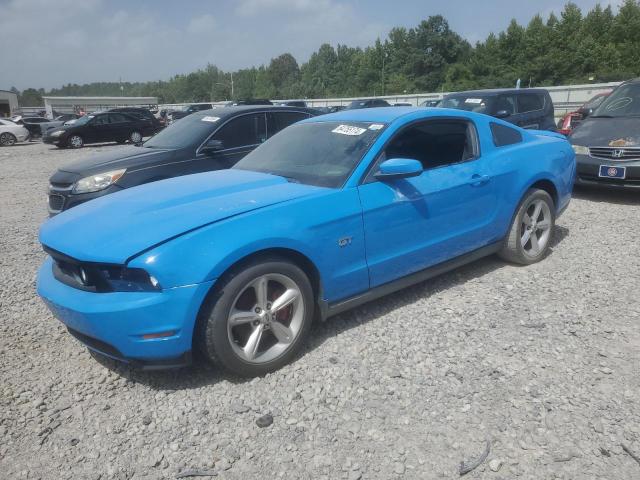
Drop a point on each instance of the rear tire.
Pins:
(7, 139)
(135, 137)
(259, 317)
(531, 229)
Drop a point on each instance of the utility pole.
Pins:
(383, 57)
(232, 97)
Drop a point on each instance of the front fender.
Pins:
(327, 229)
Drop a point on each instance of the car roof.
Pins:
(223, 112)
(496, 91)
(387, 114)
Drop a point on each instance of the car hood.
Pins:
(607, 132)
(113, 159)
(117, 227)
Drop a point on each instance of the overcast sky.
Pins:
(48, 43)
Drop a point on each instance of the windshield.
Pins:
(623, 102)
(470, 103)
(319, 153)
(594, 102)
(189, 131)
(83, 120)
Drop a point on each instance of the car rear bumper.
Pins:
(146, 329)
(588, 169)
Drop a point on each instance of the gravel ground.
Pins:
(541, 361)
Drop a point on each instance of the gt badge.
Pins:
(344, 242)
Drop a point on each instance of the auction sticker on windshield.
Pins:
(376, 126)
(473, 100)
(349, 130)
(210, 119)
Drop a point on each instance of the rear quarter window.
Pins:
(503, 136)
(530, 102)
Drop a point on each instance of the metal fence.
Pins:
(565, 98)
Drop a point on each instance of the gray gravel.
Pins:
(542, 361)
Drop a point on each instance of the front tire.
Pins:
(7, 139)
(75, 141)
(531, 229)
(261, 316)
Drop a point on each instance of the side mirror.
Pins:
(213, 146)
(585, 112)
(502, 114)
(398, 168)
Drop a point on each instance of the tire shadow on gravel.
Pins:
(200, 374)
(203, 373)
(608, 195)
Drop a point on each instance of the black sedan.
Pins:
(100, 128)
(203, 141)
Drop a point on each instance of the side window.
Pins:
(101, 120)
(530, 102)
(503, 136)
(280, 120)
(507, 103)
(435, 143)
(117, 118)
(243, 131)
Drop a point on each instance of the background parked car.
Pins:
(530, 108)
(11, 133)
(572, 120)
(57, 122)
(250, 101)
(368, 103)
(431, 103)
(188, 110)
(607, 143)
(100, 127)
(33, 124)
(293, 103)
(204, 141)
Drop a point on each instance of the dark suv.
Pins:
(141, 113)
(526, 107)
(203, 141)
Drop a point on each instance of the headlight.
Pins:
(98, 182)
(123, 279)
(580, 150)
(57, 133)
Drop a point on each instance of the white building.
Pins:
(92, 104)
(8, 103)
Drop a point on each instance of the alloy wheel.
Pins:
(76, 141)
(136, 137)
(7, 139)
(535, 228)
(265, 318)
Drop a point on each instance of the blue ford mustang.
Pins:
(330, 213)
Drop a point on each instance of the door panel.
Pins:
(414, 223)
(450, 209)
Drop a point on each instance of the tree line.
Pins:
(573, 47)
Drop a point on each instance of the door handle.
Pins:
(479, 180)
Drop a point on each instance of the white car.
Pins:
(10, 133)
